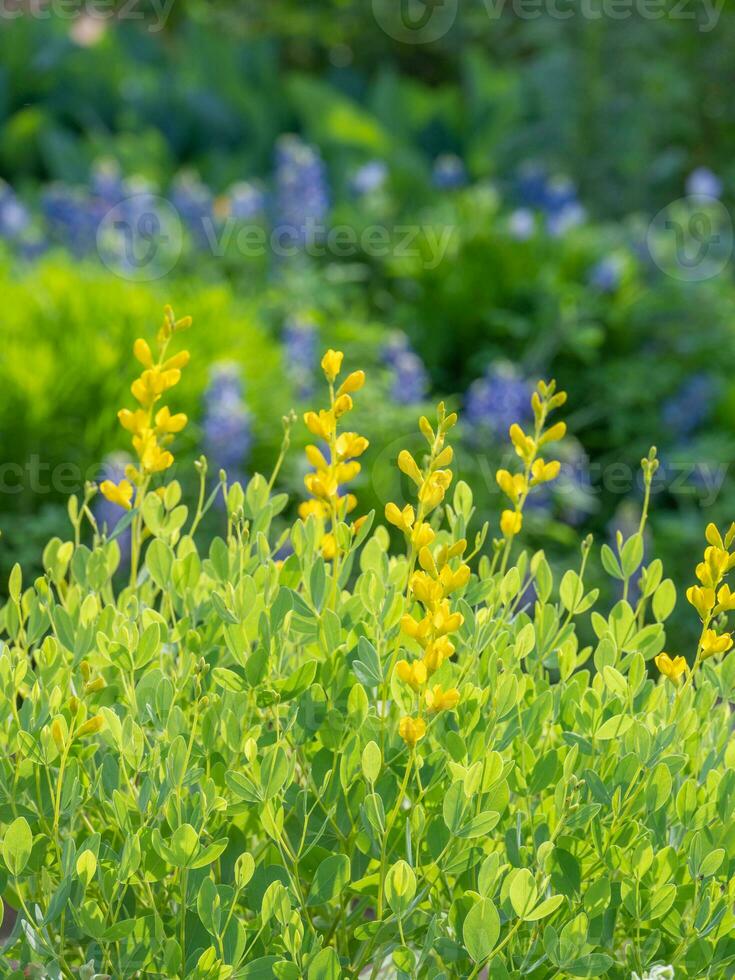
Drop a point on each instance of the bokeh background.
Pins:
(465, 195)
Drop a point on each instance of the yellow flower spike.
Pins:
(332, 364)
(438, 699)
(413, 674)
(411, 730)
(673, 669)
(352, 383)
(712, 644)
(703, 600)
(120, 494)
(511, 522)
(407, 464)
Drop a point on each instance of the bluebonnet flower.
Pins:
(245, 201)
(302, 191)
(194, 203)
(106, 182)
(703, 182)
(449, 172)
(14, 216)
(227, 421)
(606, 274)
(497, 399)
(72, 217)
(410, 381)
(369, 178)
(300, 348)
(556, 197)
(689, 408)
(107, 514)
(522, 224)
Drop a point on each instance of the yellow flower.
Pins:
(511, 522)
(713, 644)
(407, 464)
(725, 600)
(413, 674)
(512, 485)
(440, 700)
(120, 493)
(437, 652)
(703, 600)
(671, 668)
(92, 726)
(402, 519)
(332, 364)
(411, 730)
(544, 472)
(524, 445)
(321, 425)
(353, 382)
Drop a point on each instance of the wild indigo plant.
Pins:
(354, 761)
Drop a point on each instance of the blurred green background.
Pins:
(465, 195)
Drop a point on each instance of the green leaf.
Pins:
(614, 727)
(481, 930)
(372, 761)
(400, 886)
(331, 877)
(546, 908)
(325, 966)
(523, 892)
(664, 600)
(17, 846)
(183, 845)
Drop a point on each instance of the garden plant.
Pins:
(348, 748)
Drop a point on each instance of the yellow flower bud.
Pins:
(439, 700)
(120, 494)
(511, 523)
(413, 674)
(407, 464)
(92, 726)
(353, 382)
(332, 364)
(671, 668)
(411, 730)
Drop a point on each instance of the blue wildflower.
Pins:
(302, 191)
(369, 178)
(409, 381)
(194, 203)
(522, 224)
(14, 216)
(606, 274)
(703, 182)
(245, 201)
(300, 343)
(227, 421)
(497, 399)
(449, 172)
(689, 408)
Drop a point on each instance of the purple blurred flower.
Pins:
(370, 177)
(300, 348)
(556, 197)
(302, 191)
(106, 182)
(449, 172)
(227, 421)
(522, 224)
(14, 216)
(410, 381)
(605, 275)
(246, 201)
(498, 399)
(194, 204)
(689, 408)
(703, 182)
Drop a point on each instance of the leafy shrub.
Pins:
(350, 762)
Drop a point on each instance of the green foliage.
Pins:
(201, 776)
